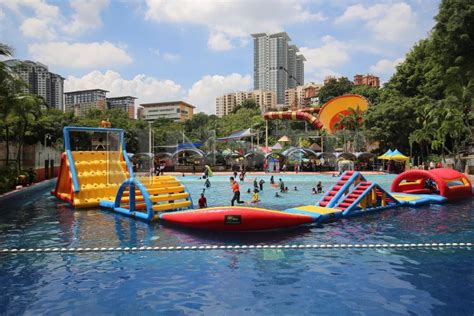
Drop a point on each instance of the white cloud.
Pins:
(388, 22)
(331, 54)
(219, 41)
(38, 29)
(170, 57)
(41, 25)
(86, 16)
(203, 93)
(385, 66)
(228, 21)
(145, 88)
(79, 55)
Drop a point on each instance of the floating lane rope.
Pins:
(405, 246)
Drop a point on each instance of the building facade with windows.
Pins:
(226, 103)
(124, 103)
(178, 111)
(368, 80)
(40, 81)
(277, 65)
(302, 96)
(82, 101)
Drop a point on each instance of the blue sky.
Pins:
(196, 50)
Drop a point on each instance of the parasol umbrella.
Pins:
(284, 139)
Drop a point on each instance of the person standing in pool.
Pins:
(282, 185)
(260, 183)
(272, 180)
(255, 183)
(319, 186)
(202, 201)
(236, 189)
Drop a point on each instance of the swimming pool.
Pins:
(277, 281)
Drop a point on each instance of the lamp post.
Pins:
(47, 137)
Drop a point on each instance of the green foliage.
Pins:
(334, 88)
(243, 118)
(246, 104)
(391, 122)
(370, 93)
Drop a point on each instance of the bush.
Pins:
(8, 179)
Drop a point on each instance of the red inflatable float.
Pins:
(446, 182)
(235, 218)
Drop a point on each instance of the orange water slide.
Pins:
(294, 115)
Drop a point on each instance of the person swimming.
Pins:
(314, 191)
(249, 191)
(207, 184)
(296, 189)
(277, 195)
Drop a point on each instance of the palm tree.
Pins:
(7, 83)
(5, 50)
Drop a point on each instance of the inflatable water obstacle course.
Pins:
(104, 177)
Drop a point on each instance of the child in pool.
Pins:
(314, 191)
(255, 196)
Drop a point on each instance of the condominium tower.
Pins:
(226, 103)
(277, 65)
(40, 81)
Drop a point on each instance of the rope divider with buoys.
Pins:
(406, 246)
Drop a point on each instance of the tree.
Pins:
(334, 88)
(27, 110)
(246, 104)
(370, 93)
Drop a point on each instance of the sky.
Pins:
(194, 51)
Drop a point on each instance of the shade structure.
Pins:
(398, 156)
(237, 135)
(386, 155)
(284, 139)
(277, 146)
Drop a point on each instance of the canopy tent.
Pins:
(394, 155)
(386, 156)
(346, 156)
(315, 147)
(189, 145)
(364, 155)
(237, 135)
(284, 139)
(196, 151)
(398, 156)
(277, 146)
(164, 154)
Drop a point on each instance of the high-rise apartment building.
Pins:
(125, 103)
(226, 103)
(80, 102)
(368, 80)
(277, 66)
(40, 81)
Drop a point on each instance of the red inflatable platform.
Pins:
(235, 218)
(449, 183)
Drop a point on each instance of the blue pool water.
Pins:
(370, 282)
